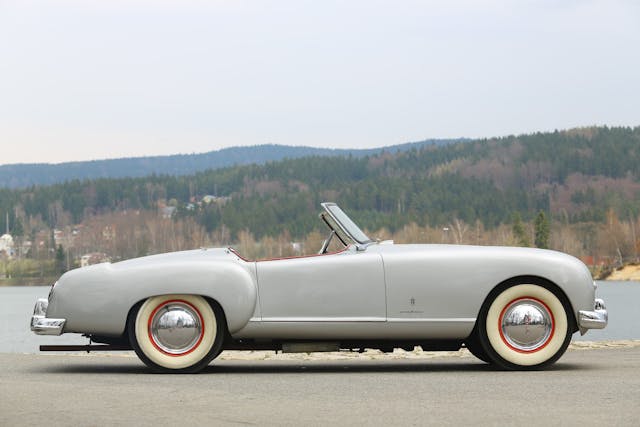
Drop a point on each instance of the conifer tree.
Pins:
(60, 260)
(542, 230)
(519, 231)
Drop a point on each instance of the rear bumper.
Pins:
(41, 324)
(596, 319)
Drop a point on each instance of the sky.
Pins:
(89, 79)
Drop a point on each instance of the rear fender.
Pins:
(98, 301)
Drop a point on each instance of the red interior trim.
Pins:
(235, 252)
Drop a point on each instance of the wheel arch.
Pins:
(215, 305)
(533, 280)
(189, 356)
(229, 287)
(99, 300)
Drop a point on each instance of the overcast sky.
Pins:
(102, 79)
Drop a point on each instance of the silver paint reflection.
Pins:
(176, 328)
(526, 325)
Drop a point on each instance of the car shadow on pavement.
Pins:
(92, 369)
(364, 367)
(288, 367)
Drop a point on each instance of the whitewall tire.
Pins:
(176, 333)
(525, 326)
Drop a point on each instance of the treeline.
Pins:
(25, 175)
(574, 176)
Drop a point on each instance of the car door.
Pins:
(342, 287)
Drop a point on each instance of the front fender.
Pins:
(446, 281)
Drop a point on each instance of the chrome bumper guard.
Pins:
(596, 319)
(41, 324)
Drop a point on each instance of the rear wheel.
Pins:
(473, 345)
(524, 326)
(176, 333)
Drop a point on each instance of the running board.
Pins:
(87, 348)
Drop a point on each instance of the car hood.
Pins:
(462, 251)
(557, 267)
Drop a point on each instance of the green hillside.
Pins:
(578, 175)
(25, 175)
(585, 181)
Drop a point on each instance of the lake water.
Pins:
(16, 307)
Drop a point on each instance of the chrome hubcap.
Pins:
(176, 327)
(526, 324)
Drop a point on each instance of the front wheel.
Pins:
(525, 326)
(176, 333)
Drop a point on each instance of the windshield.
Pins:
(346, 224)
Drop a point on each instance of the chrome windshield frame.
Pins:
(344, 229)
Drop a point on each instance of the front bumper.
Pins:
(596, 319)
(41, 324)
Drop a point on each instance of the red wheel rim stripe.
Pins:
(553, 325)
(153, 341)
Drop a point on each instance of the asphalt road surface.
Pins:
(587, 387)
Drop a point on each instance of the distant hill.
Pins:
(588, 175)
(585, 181)
(25, 175)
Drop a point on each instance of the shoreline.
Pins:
(626, 273)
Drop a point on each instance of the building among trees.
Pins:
(6, 246)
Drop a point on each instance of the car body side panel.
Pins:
(451, 282)
(358, 330)
(331, 296)
(97, 299)
(398, 291)
(437, 291)
(348, 285)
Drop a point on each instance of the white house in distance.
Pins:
(6, 245)
(93, 258)
(6, 242)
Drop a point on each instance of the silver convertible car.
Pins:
(516, 308)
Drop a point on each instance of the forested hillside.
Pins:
(578, 175)
(587, 181)
(25, 175)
